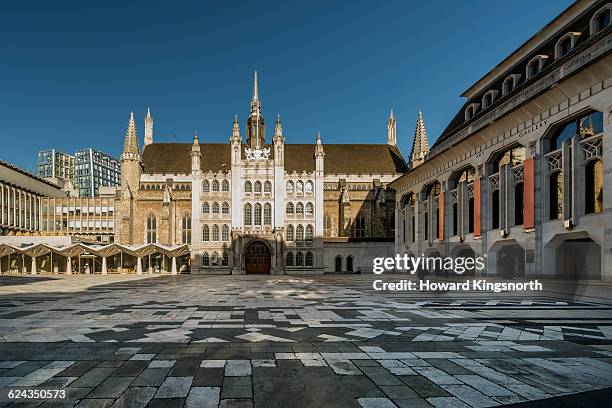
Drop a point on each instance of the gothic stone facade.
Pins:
(259, 207)
(523, 173)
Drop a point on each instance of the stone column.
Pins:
(104, 271)
(33, 265)
(68, 266)
(529, 194)
(173, 271)
(139, 266)
(567, 180)
(606, 259)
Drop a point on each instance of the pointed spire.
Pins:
(318, 137)
(255, 90)
(148, 137)
(278, 128)
(130, 143)
(196, 139)
(236, 128)
(255, 103)
(391, 130)
(420, 145)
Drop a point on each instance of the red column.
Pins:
(477, 229)
(441, 216)
(529, 193)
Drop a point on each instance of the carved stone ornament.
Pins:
(257, 154)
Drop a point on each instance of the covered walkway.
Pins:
(80, 258)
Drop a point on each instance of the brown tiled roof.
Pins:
(346, 158)
(170, 158)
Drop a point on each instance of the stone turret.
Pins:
(131, 168)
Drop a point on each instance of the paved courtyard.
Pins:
(320, 341)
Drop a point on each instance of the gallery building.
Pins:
(523, 173)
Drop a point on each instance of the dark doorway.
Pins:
(257, 258)
(511, 261)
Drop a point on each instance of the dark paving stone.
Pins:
(185, 367)
(135, 397)
(208, 377)
(412, 403)
(236, 403)
(167, 403)
(309, 387)
(95, 403)
(152, 377)
(112, 387)
(423, 386)
(131, 368)
(78, 369)
(597, 398)
(399, 391)
(237, 387)
(448, 366)
(93, 377)
(111, 363)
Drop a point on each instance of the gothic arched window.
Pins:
(309, 259)
(309, 209)
(258, 187)
(205, 233)
(215, 208)
(225, 208)
(248, 214)
(289, 233)
(225, 233)
(309, 233)
(360, 226)
(267, 187)
(214, 259)
(267, 214)
(205, 208)
(308, 188)
(215, 233)
(248, 187)
(299, 187)
(299, 259)
(593, 193)
(205, 259)
(186, 229)
(289, 259)
(225, 259)
(215, 185)
(289, 208)
(299, 209)
(289, 187)
(151, 229)
(225, 185)
(257, 214)
(327, 225)
(299, 233)
(205, 186)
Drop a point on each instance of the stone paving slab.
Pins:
(241, 341)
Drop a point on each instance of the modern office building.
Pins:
(522, 175)
(94, 169)
(53, 164)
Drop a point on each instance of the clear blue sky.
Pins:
(71, 71)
